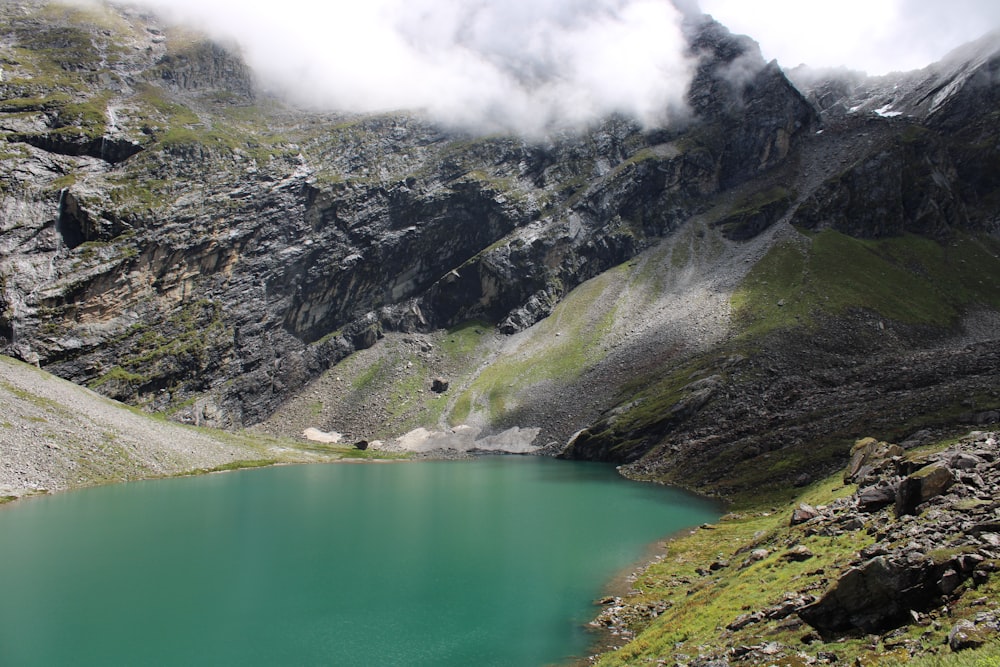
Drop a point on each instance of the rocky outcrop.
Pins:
(942, 112)
(733, 84)
(938, 543)
(109, 149)
(908, 184)
(206, 65)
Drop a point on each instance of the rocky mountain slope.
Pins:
(718, 304)
(726, 304)
(58, 436)
(891, 561)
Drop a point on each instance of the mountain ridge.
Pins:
(726, 305)
(174, 238)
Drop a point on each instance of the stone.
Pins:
(965, 635)
(744, 620)
(965, 461)
(968, 562)
(797, 553)
(874, 498)
(930, 481)
(873, 597)
(866, 455)
(803, 513)
(950, 580)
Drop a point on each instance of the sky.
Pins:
(534, 65)
(874, 36)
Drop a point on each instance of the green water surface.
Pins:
(487, 562)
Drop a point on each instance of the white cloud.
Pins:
(876, 36)
(527, 65)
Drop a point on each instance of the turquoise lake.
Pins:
(495, 561)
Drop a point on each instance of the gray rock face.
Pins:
(172, 237)
(919, 487)
(185, 266)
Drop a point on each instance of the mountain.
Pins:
(726, 304)
(720, 303)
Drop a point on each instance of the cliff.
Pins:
(715, 303)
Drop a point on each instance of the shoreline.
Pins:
(610, 638)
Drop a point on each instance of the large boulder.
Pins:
(928, 482)
(874, 596)
(868, 456)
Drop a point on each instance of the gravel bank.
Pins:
(55, 435)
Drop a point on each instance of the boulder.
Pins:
(744, 620)
(950, 580)
(874, 596)
(966, 634)
(797, 553)
(930, 481)
(875, 497)
(803, 513)
(965, 461)
(867, 455)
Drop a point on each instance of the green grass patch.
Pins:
(61, 182)
(563, 345)
(117, 374)
(909, 279)
(700, 606)
(88, 117)
(365, 382)
(405, 377)
(38, 401)
(231, 465)
(463, 341)
(135, 195)
(984, 656)
(158, 107)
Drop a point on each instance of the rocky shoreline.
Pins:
(922, 583)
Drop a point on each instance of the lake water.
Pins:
(489, 562)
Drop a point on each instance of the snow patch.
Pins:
(317, 435)
(885, 111)
(464, 439)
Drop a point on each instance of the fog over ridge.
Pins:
(534, 66)
(527, 66)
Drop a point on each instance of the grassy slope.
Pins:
(557, 350)
(909, 279)
(493, 378)
(800, 285)
(700, 606)
(912, 280)
(66, 436)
